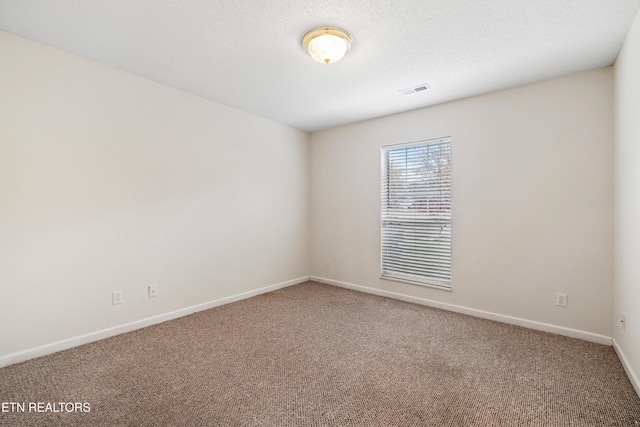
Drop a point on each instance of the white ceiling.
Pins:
(247, 53)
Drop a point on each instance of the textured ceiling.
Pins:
(247, 54)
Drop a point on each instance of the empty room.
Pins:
(363, 213)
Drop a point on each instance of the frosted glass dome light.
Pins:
(327, 44)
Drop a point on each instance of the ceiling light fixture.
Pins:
(327, 44)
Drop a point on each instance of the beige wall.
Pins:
(627, 202)
(532, 200)
(113, 182)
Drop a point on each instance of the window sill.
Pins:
(440, 287)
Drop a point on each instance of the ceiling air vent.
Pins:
(414, 89)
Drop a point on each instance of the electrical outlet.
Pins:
(117, 297)
(623, 321)
(327, 262)
(153, 291)
(561, 300)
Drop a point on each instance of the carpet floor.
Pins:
(317, 355)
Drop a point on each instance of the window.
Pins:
(416, 212)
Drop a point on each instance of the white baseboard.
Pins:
(531, 324)
(54, 347)
(635, 381)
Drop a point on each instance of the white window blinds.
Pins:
(416, 212)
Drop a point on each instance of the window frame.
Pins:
(425, 281)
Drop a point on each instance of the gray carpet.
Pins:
(316, 355)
